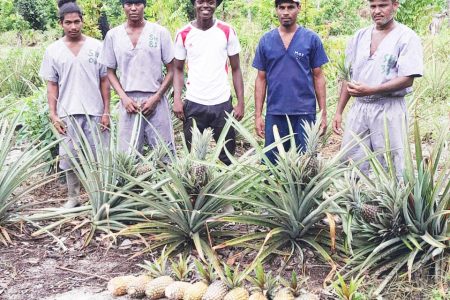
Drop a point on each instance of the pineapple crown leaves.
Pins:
(312, 135)
(233, 277)
(294, 285)
(181, 268)
(206, 273)
(200, 142)
(158, 266)
(262, 281)
(345, 290)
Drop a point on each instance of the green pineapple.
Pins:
(367, 212)
(198, 289)
(181, 270)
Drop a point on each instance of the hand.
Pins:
(238, 111)
(323, 125)
(130, 105)
(337, 124)
(105, 122)
(259, 127)
(60, 126)
(178, 109)
(357, 89)
(150, 104)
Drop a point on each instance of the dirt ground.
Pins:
(37, 267)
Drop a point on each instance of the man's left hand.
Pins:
(323, 125)
(357, 89)
(150, 104)
(239, 111)
(105, 122)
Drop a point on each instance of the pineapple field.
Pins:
(164, 225)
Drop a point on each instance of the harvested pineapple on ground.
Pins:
(118, 286)
(155, 289)
(284, 294)
(198, 289)
(136, 288)
(230, 288)
(216, 291)
(181, 271)
(264, 284)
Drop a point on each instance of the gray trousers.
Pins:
(135, 129)
(366, 120)
(90, 127)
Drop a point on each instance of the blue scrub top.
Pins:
(289, 71)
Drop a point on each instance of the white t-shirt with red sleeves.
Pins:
(206, 53)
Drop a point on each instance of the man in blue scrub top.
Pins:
(289, 60)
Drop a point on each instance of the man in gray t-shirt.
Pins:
(383, 60)
(78, 90)
(138, 50)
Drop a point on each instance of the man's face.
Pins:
(134, 11)
(287, 13)
(72, 25)
(205, 9)
(382, 11)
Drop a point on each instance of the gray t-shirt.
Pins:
(399, 54)
(140, 68)
(78, 77)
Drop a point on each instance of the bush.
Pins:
(38, 13)
(9, 18)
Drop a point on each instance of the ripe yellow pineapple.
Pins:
(156, 288)
(117, 286)
(181, 271)
(198, 289)
(238, 293)
(284, 294)
(136, 288)
(216, 291)
(257, 296)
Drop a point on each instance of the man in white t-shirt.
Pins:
(207, 45)
(77, 90)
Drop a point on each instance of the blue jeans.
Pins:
(283, 128)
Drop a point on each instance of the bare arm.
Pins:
(52, 98)
(151, 103)
(127, 102)
(178, 84)
(238, 84)
(321, 95)
(361, 90)
(105, 90)
(342, 103)
(260, 97)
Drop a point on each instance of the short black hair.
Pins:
(278, 2)
(134, 1)
(217, 1)
(67, 7)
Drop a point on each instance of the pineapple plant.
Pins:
(118, 286)
(155, 289)
(136, 287)
(198, 289)
(181, 271)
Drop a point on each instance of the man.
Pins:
(138, 50)
(207, 44)
(383, 59)
(289, 60)
(77, 89)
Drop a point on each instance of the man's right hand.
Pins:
(59, 125)
(130, 105)
(178, 109)
(337, 124)
(259, 127)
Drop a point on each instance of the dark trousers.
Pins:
(296, 121)
(210, 116)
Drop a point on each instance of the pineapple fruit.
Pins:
(367, 212)
(284, 294)
(264, 284)
(156, 288)
(198, 289)
(258, 296)
(216, 291)
(238, 293)
(117, 286)
(136, 288)
(181, 271)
